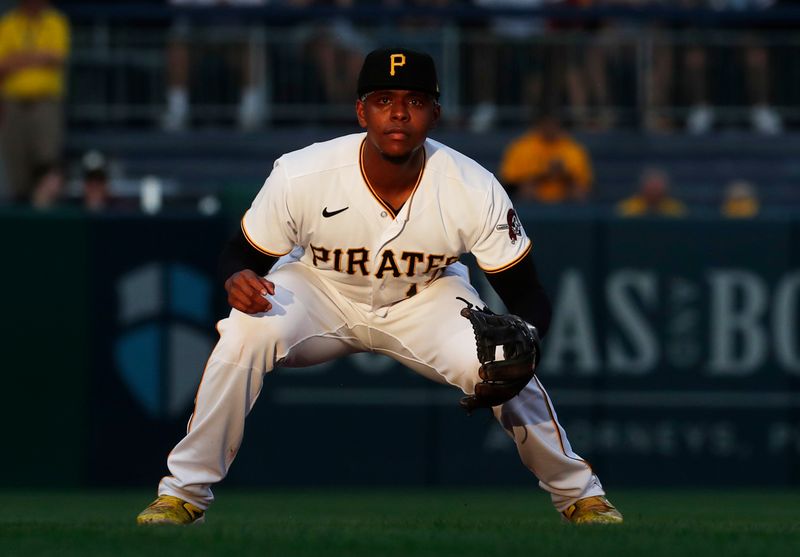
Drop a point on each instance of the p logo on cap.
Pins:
(396, 68)
(396, 60)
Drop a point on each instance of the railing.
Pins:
(632, 69)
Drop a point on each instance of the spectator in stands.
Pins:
(246, 54)
(652, 198)
(581, 63)
(96, 187)
(755, 59)
(507, 58)
(697, 79)
(740, 200)
(658, 115)
(49, 189)
(547, 61)
(547, 165)
(34, 45)
(658, 79)
(338, 50)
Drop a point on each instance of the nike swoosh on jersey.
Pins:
(327, 214)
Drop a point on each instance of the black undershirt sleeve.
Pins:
(239, 254)
(523, 294)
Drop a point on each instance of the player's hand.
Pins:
(247, 292)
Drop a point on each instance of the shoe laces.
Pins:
(161, 504)
(594, 504)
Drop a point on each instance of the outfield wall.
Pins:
(673, 359)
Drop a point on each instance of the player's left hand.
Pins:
(501, 380)
(247, 292)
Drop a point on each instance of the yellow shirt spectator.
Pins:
(652, 199)
(44, 37)
(740, 201)
(740, 208)
(639, 206)
(547, 165)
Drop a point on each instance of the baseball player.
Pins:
(352, 245)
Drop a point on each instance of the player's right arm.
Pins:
(242, 268)
(266, 233)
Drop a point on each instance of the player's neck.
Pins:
(392, 178)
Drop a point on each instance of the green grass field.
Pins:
(404, 522)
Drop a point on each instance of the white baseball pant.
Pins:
(310, 323)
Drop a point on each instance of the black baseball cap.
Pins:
(398, 68)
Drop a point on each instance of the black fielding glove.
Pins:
(501, 380)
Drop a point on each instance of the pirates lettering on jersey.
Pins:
(357, 257)
(319, 254)
(410, 263)
(337, 260)
(434, 262)
(412, 258)
(387, 264)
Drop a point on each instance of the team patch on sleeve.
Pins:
(512, 225)
(501, 241)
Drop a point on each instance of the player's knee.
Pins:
(249, 333)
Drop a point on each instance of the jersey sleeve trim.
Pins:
(511, 264)
(259, 248)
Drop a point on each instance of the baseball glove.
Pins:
(501, 380)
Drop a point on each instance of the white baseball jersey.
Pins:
(357, 276)
(320, 199)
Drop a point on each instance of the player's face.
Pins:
(397, 122)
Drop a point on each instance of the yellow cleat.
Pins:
(170, 510)
(592, 510)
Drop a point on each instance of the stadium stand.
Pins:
(232, 164)
(117, 82)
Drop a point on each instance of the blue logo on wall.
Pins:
(164, 311)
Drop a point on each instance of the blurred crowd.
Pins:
(547, 166)
(573, 61)
(578, 63)
(659, 73)
(559, 68)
